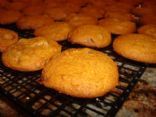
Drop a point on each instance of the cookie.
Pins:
(34, 10)
(83, 73)
(137, 47)
(116, 26)
(3, 3)
(49, 4)
(92, 11)
(148, 19)
(144, 9)
(126, 16)
(33, 22)
(76, 20)
(30, 54)
(148, 30)
(118, 7)
(34, 2)
(91, 36)
(7, 38)
(71, 7)
(9, 16)
(16, 5)
(57, 31)
(57, 13)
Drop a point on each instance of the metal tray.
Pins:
(33, 98)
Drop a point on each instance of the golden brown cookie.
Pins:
(116, 26)
(76, 20)
(148, 30)
(9, 16)
(7, 38)
(30, 54)
(34, 10)
(3, 3)
(118, 7)
(51, 4)
(84, 73)
(57, 31)
(138, 47)
(57, 13)
(92, 11)
(16, 5)
(35, 2)
(71, 7)
(33, 22)
(148, 19)
(126, 16)
(91, 36)
(142, 9)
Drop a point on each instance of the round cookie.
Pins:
(49, 4)
(116, 26)
(124, 16)
(9, 16)
(30, 54)
(118, 7)
(56, 13)
(76, 20)
(57, 31)
(138, 47)
(3, 3)
(33, 10)
(148, 19)
(7, 38)
(84, 73)
(35, 2)
(91, 36)
(92, 11)
(33, 22)
(142, 10)
(71, 7)
(16, 5)
(148, 30)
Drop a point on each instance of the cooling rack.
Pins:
(24, 90)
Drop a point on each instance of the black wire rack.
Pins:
(24, 90)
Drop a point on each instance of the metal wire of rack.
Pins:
(24, 90)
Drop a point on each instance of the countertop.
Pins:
(142, 100)
(140, 103)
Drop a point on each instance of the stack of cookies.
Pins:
(85, 72)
